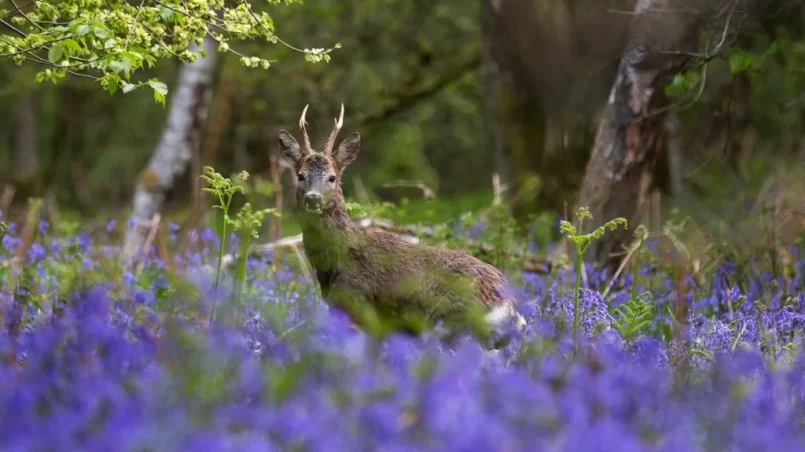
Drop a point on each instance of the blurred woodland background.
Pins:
(642, 109)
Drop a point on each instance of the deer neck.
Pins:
(328, 237)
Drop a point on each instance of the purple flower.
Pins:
(36, 252)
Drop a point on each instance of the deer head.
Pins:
(319, 173)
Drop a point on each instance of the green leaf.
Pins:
(101, 33)
(158, 86)
(151, 60)
(166, 13)
(159, 97)
(56, 52)
(741, 61)
(83, 30)
(119, 66)
(111, 88)
(128, 87)
(72, 45)
(682, 84)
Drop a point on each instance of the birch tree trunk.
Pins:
(180, 138)
(619, 175)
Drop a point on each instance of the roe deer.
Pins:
(379, 279)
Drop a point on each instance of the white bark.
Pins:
(180, 138)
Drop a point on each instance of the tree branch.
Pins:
(468, 62)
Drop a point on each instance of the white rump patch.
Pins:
(501, 316)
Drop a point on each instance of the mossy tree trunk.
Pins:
(516, 116)
(631, 135)
(536, 59)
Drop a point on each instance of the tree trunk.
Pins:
(518, 122)
(27, 161)
(541, 61)
(619, 175)
(182, 133)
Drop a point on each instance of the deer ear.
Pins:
(348, 150)
(289, 147)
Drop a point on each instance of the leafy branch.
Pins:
(110, 40)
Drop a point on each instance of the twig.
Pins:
(427, 192)
(162, 251)
(291, 329)
(17, 9)
(532, 264)
(302, 262)
(498, 189)
(707, 57)
(152, 232)
(275, 226)
(32, 49)
(403, 102)
(31, 21)
(132, 26)
(37, 59)
(7, 198)
(620, 269)
(267, 30)
(13, 28)
(653, 10)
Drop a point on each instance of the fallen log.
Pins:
(411, 234)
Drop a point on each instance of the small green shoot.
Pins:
(582, 242)
(246, 224)
(634, 317)
(641, 233)
(223, 190)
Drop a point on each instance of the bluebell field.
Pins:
(97, 357)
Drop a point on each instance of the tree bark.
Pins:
(182, 133)
(517, 119)
(541, 60)
(619, 175)
(27, 161)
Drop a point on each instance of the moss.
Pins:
(149, 179)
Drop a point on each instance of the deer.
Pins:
(381, 281)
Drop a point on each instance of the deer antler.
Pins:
(328, 147)
(306, 149)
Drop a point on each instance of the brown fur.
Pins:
(395, 279)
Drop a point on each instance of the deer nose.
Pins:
(313, 202)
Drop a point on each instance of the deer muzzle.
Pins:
(313, 202)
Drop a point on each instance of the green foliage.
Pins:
(109, 41)
(501, 233)
(742, 60)
(222, 189)
(641, 233)
(634, 317)
(246, 224)
(107, 139)
(582, 242)
(360, 211)
(403, 158)
(683, 85)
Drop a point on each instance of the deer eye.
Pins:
(331, 179)
(300, 177)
